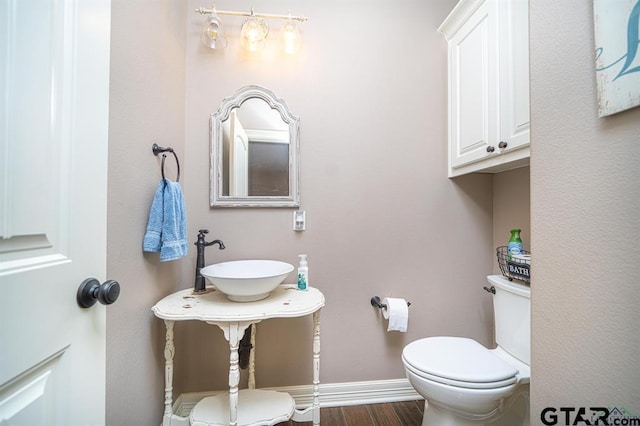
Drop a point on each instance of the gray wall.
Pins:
(585, 199)
(511, 205)
(383, 219)
(146, 106)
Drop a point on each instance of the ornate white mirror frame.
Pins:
(217, 172)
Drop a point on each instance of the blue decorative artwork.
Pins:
(617, 38)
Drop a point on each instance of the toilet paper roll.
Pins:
(397, 312)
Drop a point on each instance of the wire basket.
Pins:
(513, 269)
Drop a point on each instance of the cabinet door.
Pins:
(514, 73)
(473, 91)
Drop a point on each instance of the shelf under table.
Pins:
(259, 407)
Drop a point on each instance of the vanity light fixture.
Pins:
(212, 32)
(291, 37)
(254, 30)
(253, 34)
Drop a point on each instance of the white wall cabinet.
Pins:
(488, 84)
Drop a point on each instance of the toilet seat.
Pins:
(458, 361)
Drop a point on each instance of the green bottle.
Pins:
(515, 243)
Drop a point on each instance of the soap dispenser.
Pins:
(303, 273)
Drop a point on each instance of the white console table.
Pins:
(248, 406)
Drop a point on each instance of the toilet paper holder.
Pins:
(375, 301)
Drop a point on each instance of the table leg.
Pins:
(316, 368)
(234, 372)
(169, 352)
(252, 359)
(233, 332)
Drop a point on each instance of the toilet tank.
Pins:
(512, 316)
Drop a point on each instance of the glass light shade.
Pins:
(213, 34)
(291, 37)
(254, 33)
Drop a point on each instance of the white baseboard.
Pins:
(331, 394)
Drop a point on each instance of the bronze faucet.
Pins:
(201, 244)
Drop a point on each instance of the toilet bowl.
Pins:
(463, 382)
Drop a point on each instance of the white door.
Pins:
(54, 88)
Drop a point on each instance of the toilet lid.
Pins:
(458, 359)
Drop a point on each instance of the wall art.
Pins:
(617, 42)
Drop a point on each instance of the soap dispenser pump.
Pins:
(303, 273)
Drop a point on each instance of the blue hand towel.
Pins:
(152, 238)
(167, 226)
(174, 225)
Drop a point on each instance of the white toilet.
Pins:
(464, 383)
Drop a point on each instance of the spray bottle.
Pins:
(515, 243)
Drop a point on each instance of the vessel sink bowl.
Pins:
(247, 280)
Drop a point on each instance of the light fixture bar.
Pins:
(204, 11)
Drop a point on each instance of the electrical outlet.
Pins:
(299, 220)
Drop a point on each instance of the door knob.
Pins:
(491, 148)
(91, 291)
(502, 145)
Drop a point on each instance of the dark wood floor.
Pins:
(406, 413)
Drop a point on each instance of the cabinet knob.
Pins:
(502, 145)
(491, 148)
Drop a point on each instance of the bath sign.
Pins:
(519, 270)
(617, 54)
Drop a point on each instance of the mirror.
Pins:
(254, 151)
